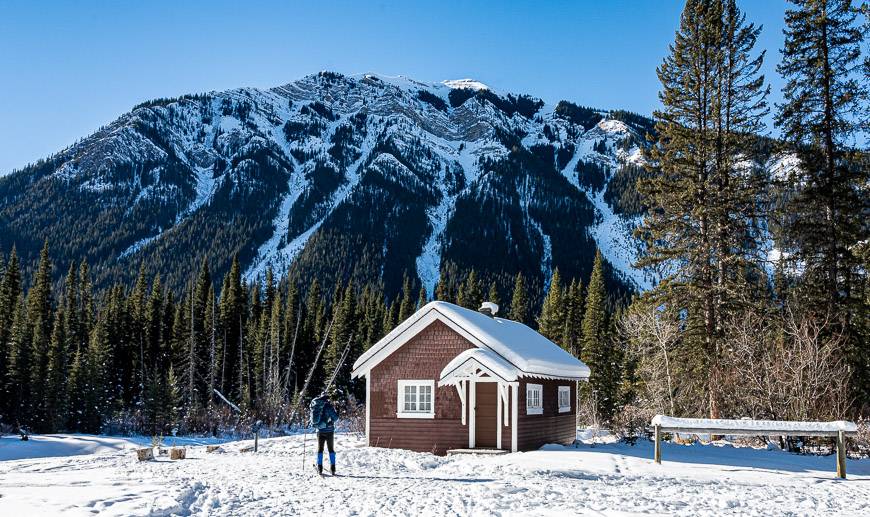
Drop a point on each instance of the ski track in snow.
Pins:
(607, 479)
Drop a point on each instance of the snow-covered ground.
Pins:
(605, 479)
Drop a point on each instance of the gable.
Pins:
(518, 345)
(405, 332)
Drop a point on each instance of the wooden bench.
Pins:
(839, 429)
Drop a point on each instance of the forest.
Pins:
(762, 311)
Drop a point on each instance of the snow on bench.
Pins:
(746, 426)
(839, 428)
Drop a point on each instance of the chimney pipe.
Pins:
(488, 308)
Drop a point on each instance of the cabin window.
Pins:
(416, 399)
(564, 399)
(534, 399)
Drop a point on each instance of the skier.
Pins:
(323, 417)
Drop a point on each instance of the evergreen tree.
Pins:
(406, 305)
(597, 346)
(343, 330)
(521, 305)
(493, 295)
(10, 291)
(39, 316)
(94, 383)
(824, 102)
(471, 292)
(551, 322)
(18, 366)
(701, 197)
(572, 331)
(422, 298)
(55, 382)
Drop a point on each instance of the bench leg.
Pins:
(841, 455)
(657, 454)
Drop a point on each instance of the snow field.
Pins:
(605, 479)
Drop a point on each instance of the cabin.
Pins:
(455, 379)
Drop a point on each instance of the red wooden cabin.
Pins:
(450, 378)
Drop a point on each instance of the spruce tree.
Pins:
(572, 332)
(826, 219)
(55, 382)
(521, 305)
(39, 316)
(18, 366)
(98, 396)
(493, 295)
(10, 291)
(422, 298)
(701, 197)
(551, 322)
(470, 292)
(406, 305)
(597, 345)
(344, 328)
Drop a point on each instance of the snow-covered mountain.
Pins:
(365, 177)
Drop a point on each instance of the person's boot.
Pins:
(332, 469)
(320, 468)
(332, 463)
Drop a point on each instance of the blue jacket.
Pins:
(323, 415)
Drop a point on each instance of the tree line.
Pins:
(141, 360)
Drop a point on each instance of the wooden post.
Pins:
(256, 439)
(841, 454)
(657, 455)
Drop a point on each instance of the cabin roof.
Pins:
(516, 344)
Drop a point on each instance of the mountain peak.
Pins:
(470, 84)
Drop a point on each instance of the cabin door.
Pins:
(485, 425)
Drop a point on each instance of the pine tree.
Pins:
(422, 298)
(702, 199)
(96, 395)
(406, 306)
(470, 292)
(493, 295)
(18, 365)
(343, 330)
(824, 102)
(521, 306)
(39, 304)
(10, 291)
(551, 322)
(572, 332)
(597, 345)
(55, 382)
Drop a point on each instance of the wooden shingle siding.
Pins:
(534, 431)
(422, 357)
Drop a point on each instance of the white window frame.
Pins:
(400, 399)
(566, 391)
(539, 408)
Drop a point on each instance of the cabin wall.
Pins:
(422, 357)
(533, 431)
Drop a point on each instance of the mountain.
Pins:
(367, 177)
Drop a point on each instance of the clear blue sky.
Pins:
(68, 67)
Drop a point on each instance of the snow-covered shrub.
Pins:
(352, 416)
(630, 423)
(860, 444)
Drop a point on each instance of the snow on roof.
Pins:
(760, 425)
(528, 351)
(486, 358)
